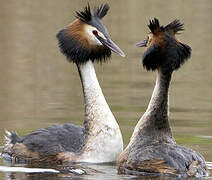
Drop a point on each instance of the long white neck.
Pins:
(97, 111)
(100, 124)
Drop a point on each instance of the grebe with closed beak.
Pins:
(83, 42)
(152, 148)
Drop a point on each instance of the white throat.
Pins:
(104, 141)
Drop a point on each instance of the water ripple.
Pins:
(27, 170)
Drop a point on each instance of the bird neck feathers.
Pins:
(97, 112)
(154, 124)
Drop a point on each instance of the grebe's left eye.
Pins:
(95, 32)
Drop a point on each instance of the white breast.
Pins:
(104, 142)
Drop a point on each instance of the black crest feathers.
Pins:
(86, 15)
(101, 11)
(154, 26)
(175, 26)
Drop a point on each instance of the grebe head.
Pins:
(163, 49)
(87, 38)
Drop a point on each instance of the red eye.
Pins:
(95, 32)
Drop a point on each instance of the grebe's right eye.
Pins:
(95, 32)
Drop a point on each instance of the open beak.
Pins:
(142, 43)
(111, 45)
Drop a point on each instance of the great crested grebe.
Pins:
(152, 148)
(83, 42)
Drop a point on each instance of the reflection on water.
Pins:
(102, 171)
(39, 87)
(26, 170)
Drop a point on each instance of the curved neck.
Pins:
(154, 124)
(97, 111)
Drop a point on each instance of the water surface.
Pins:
(40, 88)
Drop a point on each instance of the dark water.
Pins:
(40, 88)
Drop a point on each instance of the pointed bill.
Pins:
(111, 45)
(142, 43)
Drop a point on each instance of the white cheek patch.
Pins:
(91, 37)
